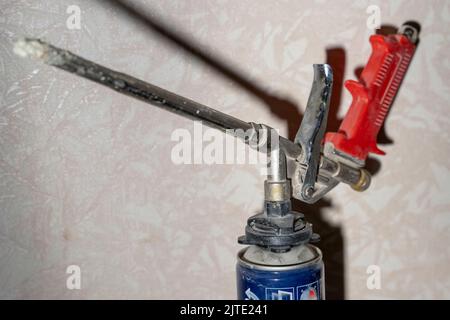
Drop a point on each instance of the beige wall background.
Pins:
(86, 176)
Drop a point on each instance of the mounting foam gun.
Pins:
(279, 261)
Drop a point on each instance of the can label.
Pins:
(302, 283)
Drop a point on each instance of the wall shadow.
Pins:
(336, 58)
(279, 106)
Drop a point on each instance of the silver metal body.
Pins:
(311, 174)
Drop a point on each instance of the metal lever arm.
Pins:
(312, 128)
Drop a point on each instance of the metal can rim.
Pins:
(264, 267)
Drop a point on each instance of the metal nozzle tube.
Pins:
(138, 89)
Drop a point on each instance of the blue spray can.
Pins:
(297, 274)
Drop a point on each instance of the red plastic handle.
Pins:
(372, 96)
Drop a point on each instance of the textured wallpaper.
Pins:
(87, 183)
